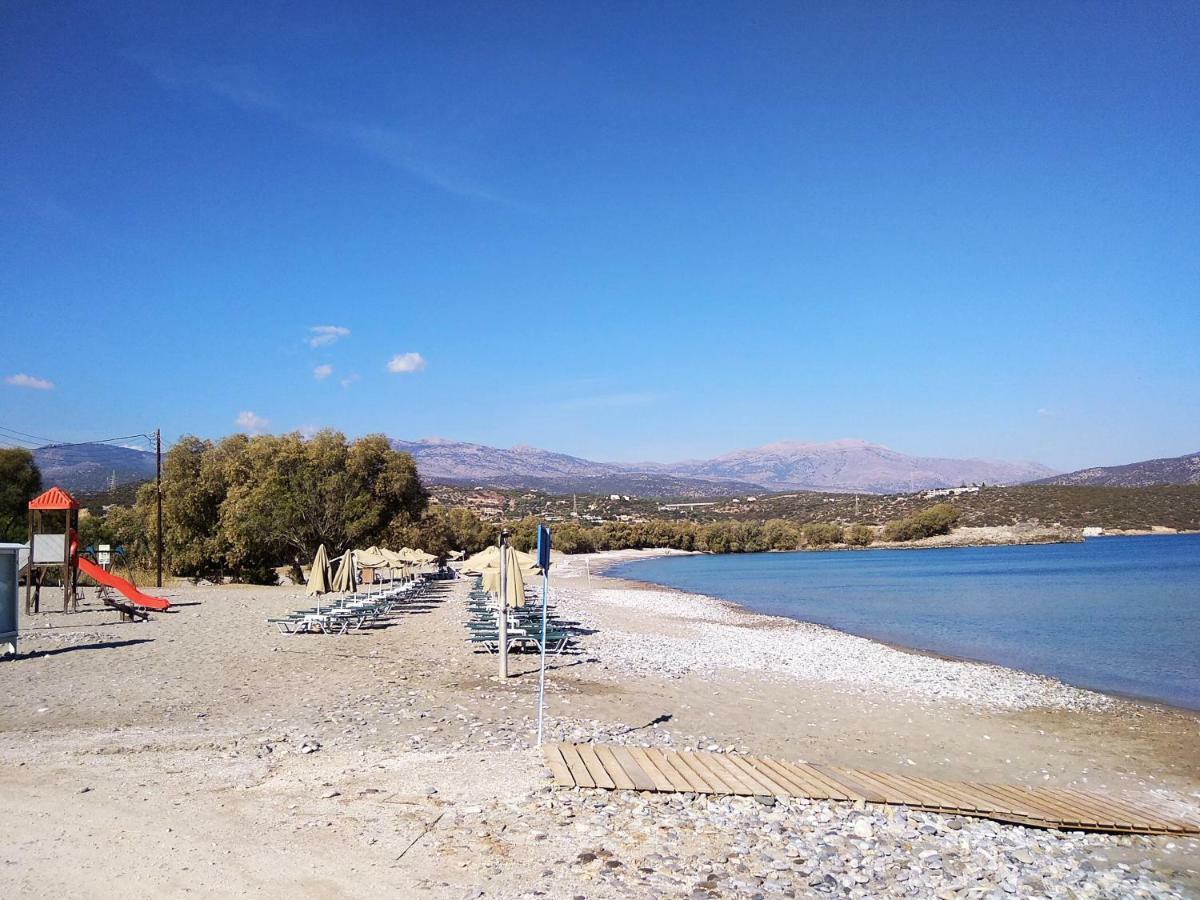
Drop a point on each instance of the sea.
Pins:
(1115, 614)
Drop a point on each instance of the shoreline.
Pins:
(614, 558)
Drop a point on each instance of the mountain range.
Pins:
(838, 466)
(89, 468)
(1169, 470)
(834, 466)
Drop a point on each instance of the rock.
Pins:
(330, 794)
(863, 829)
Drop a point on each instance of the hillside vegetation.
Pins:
(1170, 506)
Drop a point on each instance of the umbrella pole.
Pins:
(542, 676)
(502, 614)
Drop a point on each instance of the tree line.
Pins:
(243, 506)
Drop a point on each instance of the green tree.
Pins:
(779, 534)
(295, 494)
(939, 519)
(822, 534)
(20, 482)
(860, 536)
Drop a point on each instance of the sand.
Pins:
(204, 752)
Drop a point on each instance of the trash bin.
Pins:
(10, 566)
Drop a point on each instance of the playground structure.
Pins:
(51, 549)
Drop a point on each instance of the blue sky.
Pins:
(624, 231)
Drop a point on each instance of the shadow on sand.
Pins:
(100, 645)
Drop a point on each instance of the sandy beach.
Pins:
(203, 752)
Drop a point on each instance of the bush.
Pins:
(938, 519)
(860, 536)
(820, 534)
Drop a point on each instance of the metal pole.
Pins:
(542, 677)
(502, 613)
(158, 516)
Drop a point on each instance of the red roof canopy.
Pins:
(55, 498)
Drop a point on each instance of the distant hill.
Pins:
(846, 466)
(91, 468)
(1170, 470)
(854, 465)
(471, 465)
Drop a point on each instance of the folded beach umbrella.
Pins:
(344, 579)
(514, 581)
(318, 576)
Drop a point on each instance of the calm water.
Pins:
(1119, 614)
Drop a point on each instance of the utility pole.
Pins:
(158, 517)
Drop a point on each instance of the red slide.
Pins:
(96, 573)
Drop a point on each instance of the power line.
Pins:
(14, 434)
(21, 435)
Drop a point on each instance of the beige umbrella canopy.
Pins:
(372, 558)
(514, 581)
(344, 579)
(318, 576)
(489, 557)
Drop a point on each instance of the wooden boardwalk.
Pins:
(616, 767)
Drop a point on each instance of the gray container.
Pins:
(10, 566)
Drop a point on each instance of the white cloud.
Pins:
(322, 372)
(308, 432)
(406, 362)
(29, 381)
(250, 421)
(326, 334)
(349, 380)
(1046, 413)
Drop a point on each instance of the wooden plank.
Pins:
(773, 788)
(1067, 813)
(1102, 812)
(988, 800)
(649, 769)
(795, 787)
(1132, 810)
(898, 794)
(661, 781)
(694, 781)
(963, 800)
(558, 765)
(641, 781)
(579, 771)
(1040, 809)
(660, 761)
(842, 777)
(714, 777)
(930, 790)
(613, 767)
(732, 775)
(1124, 813)
(834, 791)
(595, 768)
(711, 786)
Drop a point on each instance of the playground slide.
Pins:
(93, 571)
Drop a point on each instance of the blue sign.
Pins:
(543, 550)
